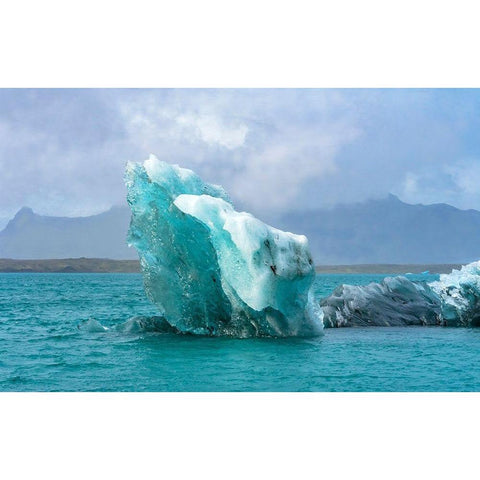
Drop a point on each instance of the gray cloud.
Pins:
(63, 151)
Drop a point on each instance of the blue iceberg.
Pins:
(211, 270)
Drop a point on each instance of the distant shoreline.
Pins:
(387, 268)
(102, 265)
(69, 265)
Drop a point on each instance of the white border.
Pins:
(239, 44)
(239, 436)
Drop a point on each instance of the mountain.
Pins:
(375, 231)
(32, 236)
(388, 231)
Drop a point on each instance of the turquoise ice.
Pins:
(211, 270)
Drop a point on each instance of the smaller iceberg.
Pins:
(211, 270)
(134, 325)
(453, 300)
(395, 301)
(92, 326)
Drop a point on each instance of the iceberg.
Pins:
(395, 301)
(134, 325)
(453, 300)
(459, 293)
(211, 270)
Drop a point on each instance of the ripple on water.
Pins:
(41, 348)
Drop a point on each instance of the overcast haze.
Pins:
(62, 152)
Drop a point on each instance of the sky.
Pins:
(63, 152)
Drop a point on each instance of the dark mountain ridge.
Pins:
(386, 231)
(389, 231)
(32, 236)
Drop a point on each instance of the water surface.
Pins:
(42, 347)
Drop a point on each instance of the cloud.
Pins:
(271, 177)
(57, 152)
(466, 175)
(213, 130)
(262, 145)
(453, 183)
(63, 151)
(410, 185)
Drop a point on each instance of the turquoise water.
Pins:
(42, 347)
